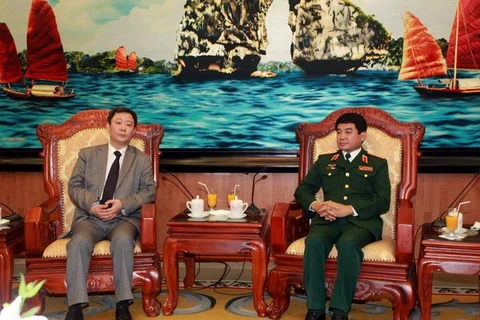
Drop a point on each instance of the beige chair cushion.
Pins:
(384, 146)
(58, 248)
(67, 157)
(382, 250)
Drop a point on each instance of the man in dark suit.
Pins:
(108, 186)
(356, 191)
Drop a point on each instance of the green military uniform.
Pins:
(362, 183)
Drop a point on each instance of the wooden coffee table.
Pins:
(11, 243)
(225, 240)
(442, 255)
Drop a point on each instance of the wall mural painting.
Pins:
(241, 74)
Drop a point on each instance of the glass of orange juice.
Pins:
(451, 221)
(230, 197)
(212, 199)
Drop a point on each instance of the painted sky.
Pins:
(148, 27)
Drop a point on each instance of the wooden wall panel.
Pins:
(435, 192)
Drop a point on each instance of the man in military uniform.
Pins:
(357, 191)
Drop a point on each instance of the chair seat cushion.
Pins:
(382, 250)
(58, 248)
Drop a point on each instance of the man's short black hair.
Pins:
(122, 110)
(354, 118)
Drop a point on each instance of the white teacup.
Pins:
(237, 208)
(196, 206)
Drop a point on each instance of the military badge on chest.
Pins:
(331, 166)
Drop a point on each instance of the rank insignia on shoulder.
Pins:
(364, 158)
(335, 157)
(365, 168)
(331, 166)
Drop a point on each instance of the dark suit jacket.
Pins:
(135, 185)
(362, 183)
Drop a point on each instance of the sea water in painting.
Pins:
(252, 113)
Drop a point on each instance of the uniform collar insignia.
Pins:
(335, 157)
(364, 158)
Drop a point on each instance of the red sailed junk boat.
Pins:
(124, 63)
(46, 63)
(10, 68)
(422, 56)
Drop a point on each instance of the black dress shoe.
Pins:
(339, 317)
(122, 313)
(74, 314)
(311, 315)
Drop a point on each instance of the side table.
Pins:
(11, 243)
(220, 238)
(442, 255)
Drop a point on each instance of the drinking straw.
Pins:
(235, 188)
(457, 210)
(203, 184)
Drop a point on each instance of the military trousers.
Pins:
(349, 241)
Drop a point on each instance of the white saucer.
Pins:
(220, 212)
(4, 221)
(243, 215)
(197, 219)
(218, 218)
(456, 236)
(463, 230)
(203, 215)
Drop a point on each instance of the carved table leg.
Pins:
(170, 269)
(425, 276)
(189, 260)
(259, 275)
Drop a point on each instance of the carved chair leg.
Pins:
(403, 301)
(280, 293)
(37, 300)
(150, 290)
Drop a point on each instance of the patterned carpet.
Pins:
(208, 302)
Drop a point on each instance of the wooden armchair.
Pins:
(45, 253)
(388, 269)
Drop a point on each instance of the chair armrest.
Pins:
(288, 223)
(148, 228)
(405, 241)
(41, 227)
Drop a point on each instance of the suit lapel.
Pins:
(102, 159)
(127, 163)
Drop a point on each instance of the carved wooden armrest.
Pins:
(40, 227)
(148, 228)
(288, 223)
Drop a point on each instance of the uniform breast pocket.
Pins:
(331, 180)
(364, 180)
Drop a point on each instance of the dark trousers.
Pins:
(349, 241)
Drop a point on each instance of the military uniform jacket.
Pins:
(362, 183)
